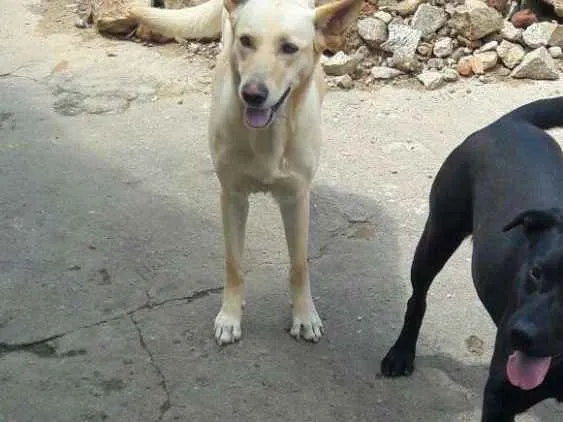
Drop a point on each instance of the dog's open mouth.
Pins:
(258, 118)
(527, 372)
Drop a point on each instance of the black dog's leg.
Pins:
(434, 248)
(448, 224)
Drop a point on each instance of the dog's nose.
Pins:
(523, 335)
(254, 93)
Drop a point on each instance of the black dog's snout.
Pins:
(254, 93)
(524, 335)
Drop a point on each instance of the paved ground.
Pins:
(111, 247)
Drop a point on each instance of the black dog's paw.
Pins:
(397, 363)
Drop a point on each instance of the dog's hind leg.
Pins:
(234, 207)
(448, 223)
(295, 216)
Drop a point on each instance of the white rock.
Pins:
(451, 75)
(443, 47)
(490, 46)
(340, 64)
(383, 16)
(383, 72)
(538, 34)
(431, 79)
(511, 54)
(484, 61)
(537, 64)
(555, 52)
(510, 32)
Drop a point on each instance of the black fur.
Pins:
(504, 186)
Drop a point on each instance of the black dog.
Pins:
(504, 186)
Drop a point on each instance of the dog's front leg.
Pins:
(295, 215)
(234, 207)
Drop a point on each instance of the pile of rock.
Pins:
(443, 40)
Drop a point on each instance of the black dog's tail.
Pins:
(545, 114)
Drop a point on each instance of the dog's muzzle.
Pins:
(258, 117)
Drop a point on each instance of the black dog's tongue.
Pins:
(526, 372)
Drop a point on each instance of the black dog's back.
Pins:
(496, 173)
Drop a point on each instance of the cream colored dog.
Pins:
(265, 124)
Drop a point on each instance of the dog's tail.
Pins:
(198, 22)
(545, 114)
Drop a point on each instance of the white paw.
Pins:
(307, 325)
(227, 328)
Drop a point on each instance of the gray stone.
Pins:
(476, 22)
(539, 34)
(511, 54)
(556, 39)
(428, 19)
(537, 64)
(372, 31)
(344, 82)
(402, 40)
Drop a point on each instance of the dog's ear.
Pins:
(231, 5)
(534, 221)
(332, 19)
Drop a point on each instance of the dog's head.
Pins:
(535, 330)
(276, 45)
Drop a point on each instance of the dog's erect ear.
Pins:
(334, 18)
(231, 5)
(534, 221)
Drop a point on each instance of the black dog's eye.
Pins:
(535, 273)
(533, 279)
(289, 48)
(245, 41)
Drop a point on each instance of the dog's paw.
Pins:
(227, 328)
(398, 362)
(307, 326)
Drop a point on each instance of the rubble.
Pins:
(438, 41)
(537, 64)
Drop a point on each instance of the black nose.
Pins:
(524, 335)
(254, 93)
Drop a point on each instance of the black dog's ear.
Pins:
(535, 220)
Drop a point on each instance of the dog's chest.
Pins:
(261, 174)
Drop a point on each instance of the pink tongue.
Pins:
(526, 372)
(257, 117)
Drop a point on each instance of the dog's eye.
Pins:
(289, 48)
(535, 273)
(245, 41)
(533, 279)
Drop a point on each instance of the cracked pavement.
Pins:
(111, 245)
